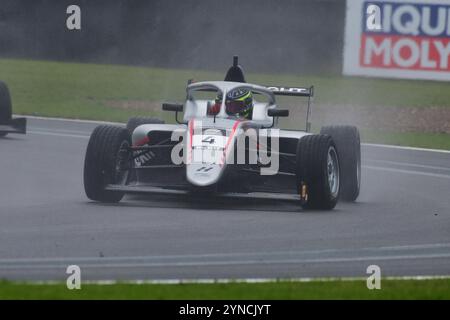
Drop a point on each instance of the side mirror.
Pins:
(175, 107)
(278, 113)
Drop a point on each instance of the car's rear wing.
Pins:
(277, 90)
(292, 91)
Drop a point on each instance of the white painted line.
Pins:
(69, 120)
(229, 262)
(237, 280)
(406, 164)
(79, 132)
(223, 255)
(47, 133)
(261, 280)
(413, 246)
(420, 173)
(403, 147)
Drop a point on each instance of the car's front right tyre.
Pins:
(5, 106)
(348, 145)
(102, 162)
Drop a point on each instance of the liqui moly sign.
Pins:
(398, 39)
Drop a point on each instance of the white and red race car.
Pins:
(221, 153)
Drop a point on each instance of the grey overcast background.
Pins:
(302, 36)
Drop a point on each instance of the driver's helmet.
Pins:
(238, 102)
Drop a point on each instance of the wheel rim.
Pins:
(121, 160)
(358, 171)
(333, 172)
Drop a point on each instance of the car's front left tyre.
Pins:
(104, 162)
(135, 122)
(317, 172)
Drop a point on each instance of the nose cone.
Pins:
(203, 175)
(209, 143)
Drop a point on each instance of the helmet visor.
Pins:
(234, 107)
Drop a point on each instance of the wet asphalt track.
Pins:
(401, 221)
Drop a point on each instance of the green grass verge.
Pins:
(82, 91)
(390, 289)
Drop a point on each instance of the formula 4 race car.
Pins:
(7, 123)
(217, 151)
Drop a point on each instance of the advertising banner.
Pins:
(398, 39)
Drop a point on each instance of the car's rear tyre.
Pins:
(348, 145)
(318, 172)
(5, 106)
(135, 122)
(102, 163)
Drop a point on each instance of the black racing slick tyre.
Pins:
(348, 145)
(101, 165)
(135, 122)
(317, 172)
(5, 106)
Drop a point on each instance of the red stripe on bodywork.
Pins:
(191, 134)
(142, 141)
(230, 138)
